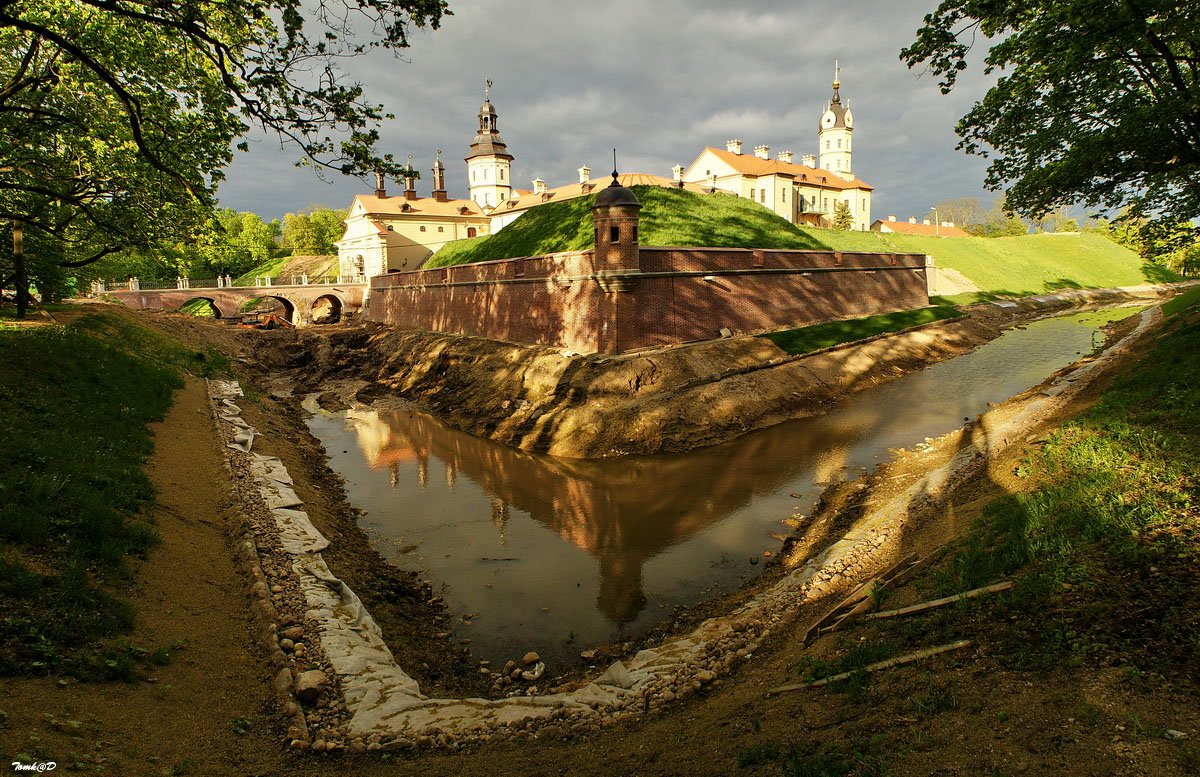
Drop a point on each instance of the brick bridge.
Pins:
(302, 302)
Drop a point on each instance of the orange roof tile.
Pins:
(423, 206)
(905, 228)
(573, 190)
(748, 164)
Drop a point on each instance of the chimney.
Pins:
(912, 219)
(380, 192)
(677, 175)
(809, 160)
(762, 152)
(410, 188)
(539, 186)
(733, 146)
(785, 156)
(925, 222)
(439, 180)
(585, 174)
(891, 218)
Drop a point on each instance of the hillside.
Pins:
(670, 217)
(289, 266)
(1005, 266)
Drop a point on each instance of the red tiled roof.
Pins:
(748, 164)
(573, 190)
(930, 230)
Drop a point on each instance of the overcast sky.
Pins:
(659, 81)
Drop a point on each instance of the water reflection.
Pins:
(550, 554)
(620, 512)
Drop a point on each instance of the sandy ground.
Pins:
(210, 710)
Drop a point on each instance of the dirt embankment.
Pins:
(673, 399)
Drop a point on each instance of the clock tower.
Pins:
(489, 165)
(835, 132)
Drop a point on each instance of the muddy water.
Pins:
(555, 555)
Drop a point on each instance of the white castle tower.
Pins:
(489, 174)
(835, 132)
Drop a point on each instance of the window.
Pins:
(839, 142)
(827, 145)
(635, 233)
(472, 175)
(441, 229)
(471, 232)
(422, 227)
(762, 195)
(501, 173)
(614, 234)
(783, 194)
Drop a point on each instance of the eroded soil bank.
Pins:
(674, 399)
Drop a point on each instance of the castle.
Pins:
(396, 233)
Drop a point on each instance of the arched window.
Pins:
(471, 232)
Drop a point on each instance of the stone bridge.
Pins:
(302, 303)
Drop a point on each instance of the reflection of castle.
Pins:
(623, 512)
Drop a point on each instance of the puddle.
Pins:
(555, 555)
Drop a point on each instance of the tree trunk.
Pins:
(22, 278)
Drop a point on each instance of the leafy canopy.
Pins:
(1098, 101)
(121, 114)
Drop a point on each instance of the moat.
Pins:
(534, 552)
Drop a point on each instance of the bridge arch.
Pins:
(326, 309)
(273, 303)
(203, 307)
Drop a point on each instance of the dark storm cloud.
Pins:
(659, 80)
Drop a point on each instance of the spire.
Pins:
(837, 82)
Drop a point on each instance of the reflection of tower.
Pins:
(423, 471)
(621, 597)
(394, 476)
(500, 517)
(451, 473)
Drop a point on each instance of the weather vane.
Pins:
(614, 164)
(487, 90)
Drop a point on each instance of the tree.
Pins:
(126, 110)
(964, 211)
(314, 231)
(999, 221)
(842, 218)
(1097, 102)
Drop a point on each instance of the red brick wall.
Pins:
(683, 294)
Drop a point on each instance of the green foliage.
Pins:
(127, 113)
(842, 218)
(669, 217)
(818, 336)
(1096, 102)
(313, 232)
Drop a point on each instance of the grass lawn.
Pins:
(813, 338)
(73, 498)
(670, 217)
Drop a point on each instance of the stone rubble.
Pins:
(385, 707)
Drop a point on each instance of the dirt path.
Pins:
(189, 598)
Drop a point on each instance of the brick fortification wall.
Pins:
(674, 295)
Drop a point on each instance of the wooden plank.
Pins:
(836, 617)
(876, 667)
(935, 603)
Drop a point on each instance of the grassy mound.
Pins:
(291, 266)
(670, 217)
(73, 495)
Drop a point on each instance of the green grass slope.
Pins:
(287, 266)
(670, 217)
(1016, 266)
(1006, 266)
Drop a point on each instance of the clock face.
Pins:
(849, 119)
(827, 119)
